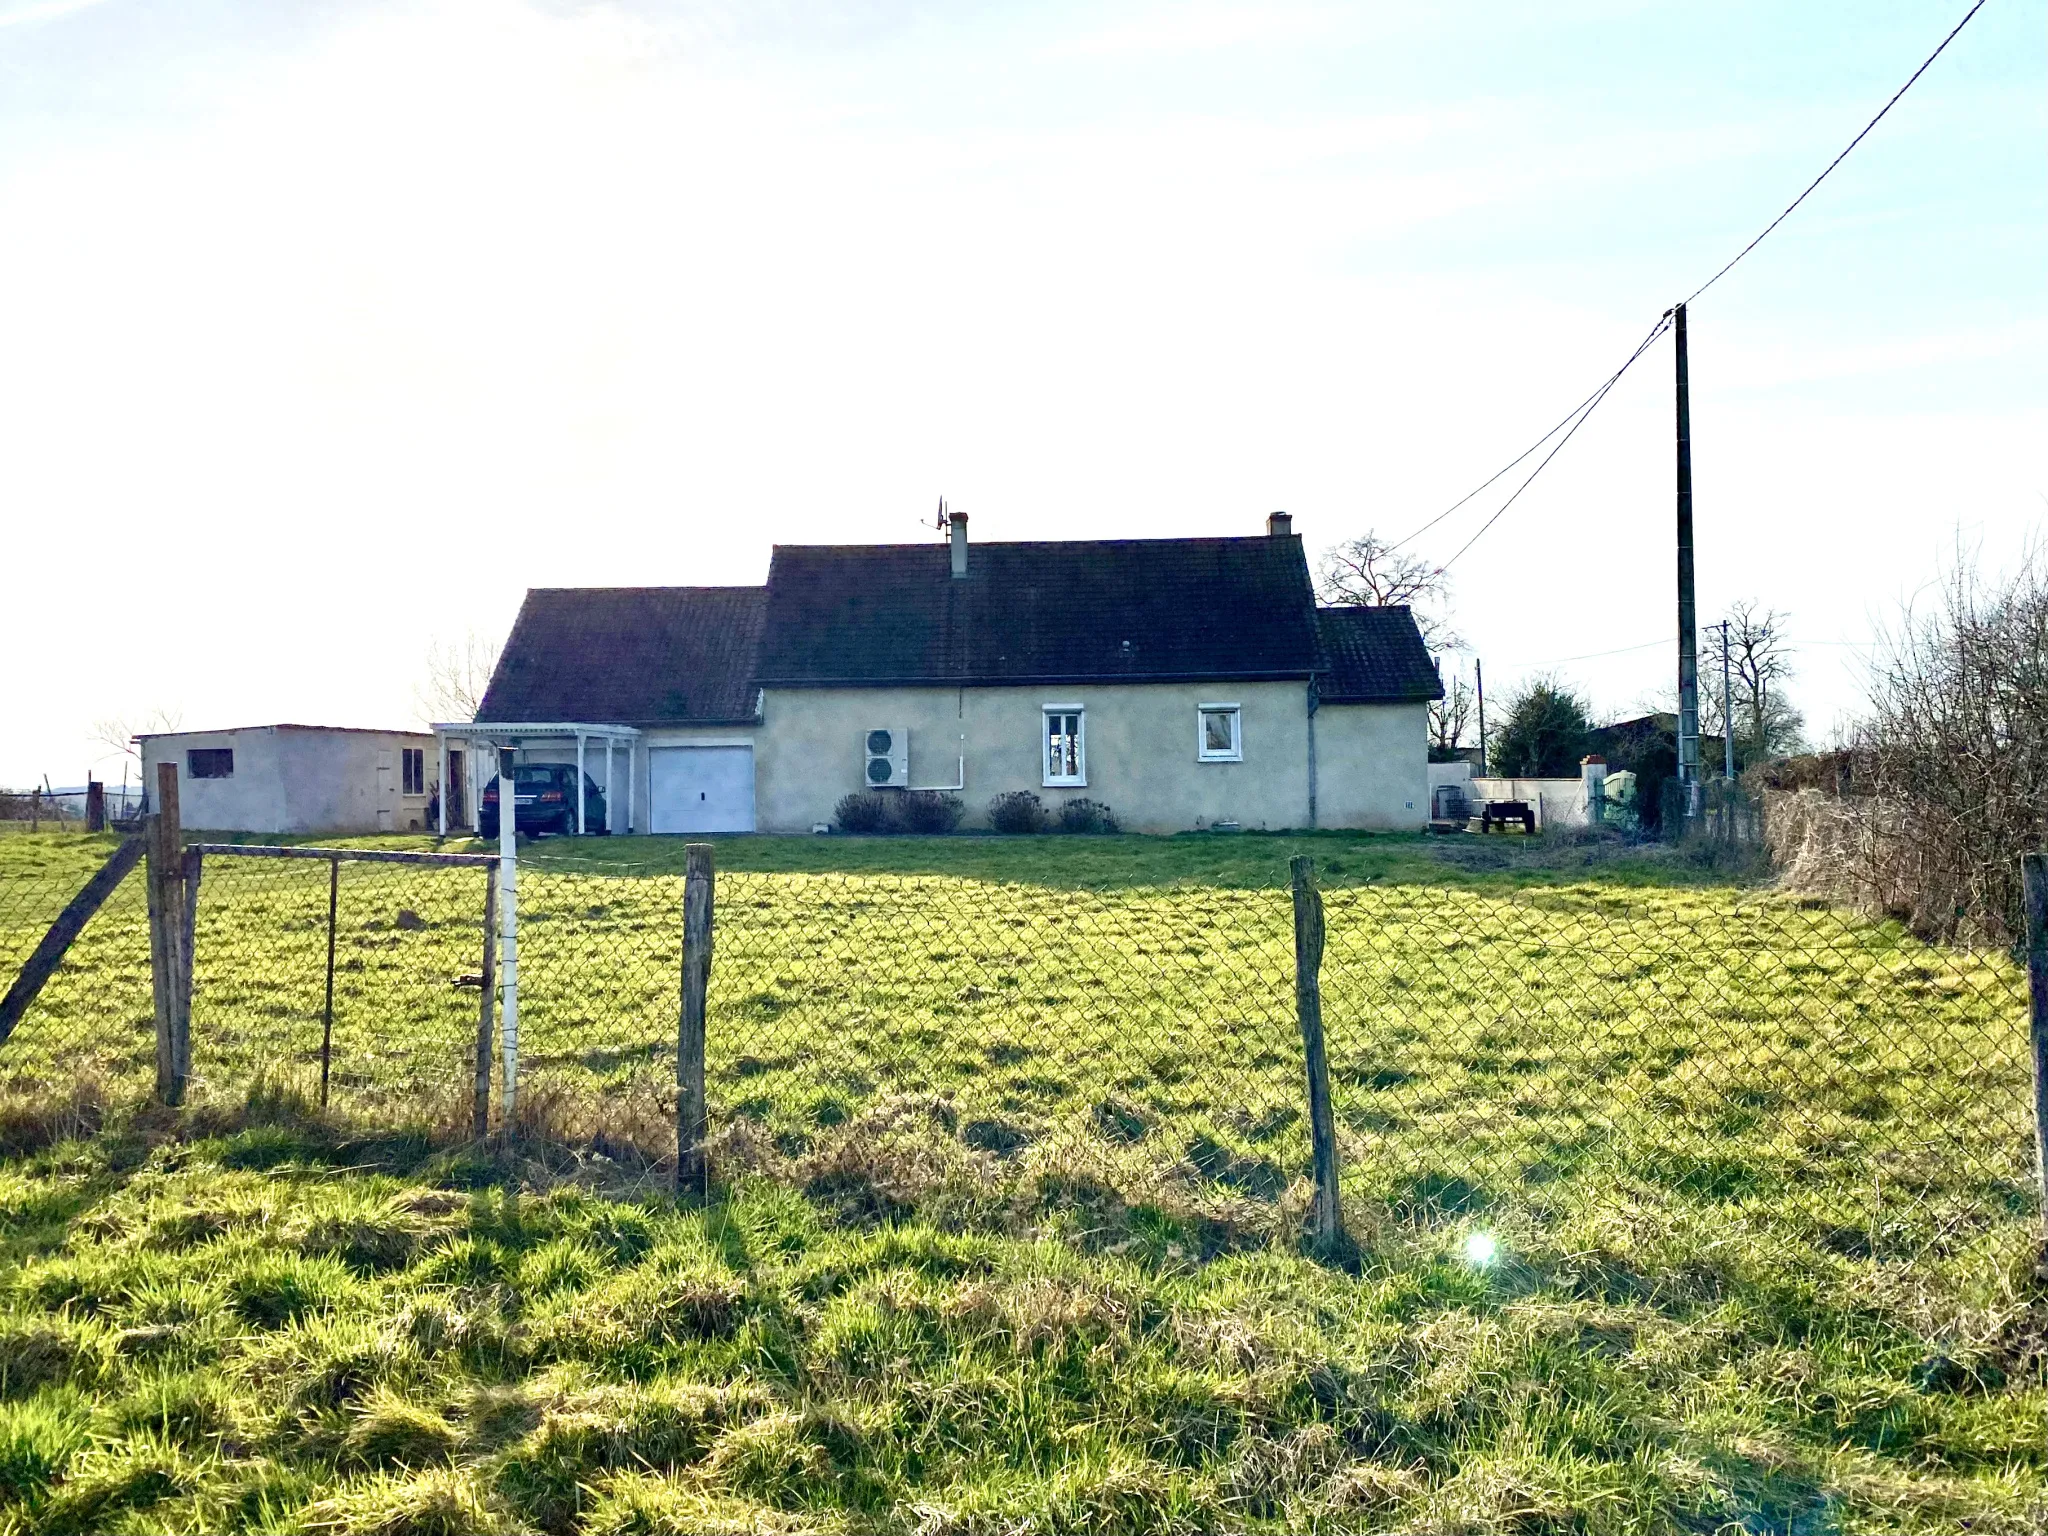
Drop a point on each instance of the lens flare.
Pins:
(1481, 1249)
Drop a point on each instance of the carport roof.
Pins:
(630, 656)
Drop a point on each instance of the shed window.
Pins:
(1066, 759)
(1219, 733)
(210, 763)
(412, 762)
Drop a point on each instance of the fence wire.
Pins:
(90, 1034)
(1486, 1043)
(408, 956)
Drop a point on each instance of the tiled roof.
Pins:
(1076, 611)
(1375, 656)
(630, 656)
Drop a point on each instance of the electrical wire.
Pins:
(1823, 176)
(1592, 404)
(1576, 417)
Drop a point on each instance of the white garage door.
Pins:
(701, 789)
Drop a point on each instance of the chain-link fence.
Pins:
(1487, 1042)
(89, 1037)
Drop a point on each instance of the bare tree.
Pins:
(1367, 572)
(1953, 753)
(1449, 718)
(1760, 658)
(117, 733)
(457, 675)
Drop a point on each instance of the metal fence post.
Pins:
(481, 1114)
(327, 1008)
(1326, 1217)
(692, 1177)
(2034, 878)
(508, 941)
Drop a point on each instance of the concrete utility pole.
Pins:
(1688, 636)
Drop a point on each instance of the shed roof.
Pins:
(1072, 611)
(630, 656)
(1375, 656)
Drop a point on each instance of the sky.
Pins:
(327, 329)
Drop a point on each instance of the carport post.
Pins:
(580, 828)
(629, 786)
(610, 799)
(441, 797)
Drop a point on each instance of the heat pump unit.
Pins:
(888, 757)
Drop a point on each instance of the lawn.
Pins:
(272, 1329)
(1013, 1157)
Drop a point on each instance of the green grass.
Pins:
(190, 1344)
(1013, 1173)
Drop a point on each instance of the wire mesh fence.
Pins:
(395, 1033)
(1486, 1042)
(91, 1029)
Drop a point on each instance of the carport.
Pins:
(513, 735)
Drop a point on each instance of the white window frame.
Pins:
(406, 777)
(1078, 780)
(1236, 752)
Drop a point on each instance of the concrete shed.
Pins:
(298, 778)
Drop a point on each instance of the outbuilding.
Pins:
(302, 779)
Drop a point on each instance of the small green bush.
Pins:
(862, 813)
(1017, 812)
(928, 812)
(1087, 816)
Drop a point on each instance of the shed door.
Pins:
(701, 789)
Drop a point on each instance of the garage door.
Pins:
(701, 789)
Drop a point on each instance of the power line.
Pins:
(1663, 324)
(1823, 176)
(1576, 417)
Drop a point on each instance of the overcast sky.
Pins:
(326, 329)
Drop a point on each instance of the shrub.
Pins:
(927, 811)
(864, 811)
(1017, 811)
(1087, 816)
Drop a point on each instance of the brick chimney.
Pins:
(959, 521)
(1279, 525)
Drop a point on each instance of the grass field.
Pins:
(274, 1330)
(1015, 1146)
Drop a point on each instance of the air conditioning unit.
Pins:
(888, 757)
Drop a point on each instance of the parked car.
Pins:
(546, 801)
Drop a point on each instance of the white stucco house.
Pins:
(297, 778)
(1185, 683)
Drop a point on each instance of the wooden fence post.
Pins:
(2034, 880)
(1326, 1217)
(95, 806)
(481, 1115)
(691, 1123)
(168, 975)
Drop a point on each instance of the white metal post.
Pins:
(611, 799)
(508, 934)
(441, 786)
(629, 786)
(580, 828)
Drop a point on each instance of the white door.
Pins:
(701, 789)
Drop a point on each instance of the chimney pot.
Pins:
(959, 522)
(1279, 525)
